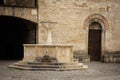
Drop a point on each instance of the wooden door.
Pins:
(94, 45)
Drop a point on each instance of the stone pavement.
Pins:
(96, 71)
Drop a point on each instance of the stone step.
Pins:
(45, 69)
(41, 63)
(39, 66)
(49, 66)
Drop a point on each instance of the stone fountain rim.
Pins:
(52, 45)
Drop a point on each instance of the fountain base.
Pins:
(48, 66)
(48, 57)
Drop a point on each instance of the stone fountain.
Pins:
(48, 56)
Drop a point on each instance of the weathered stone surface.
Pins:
(61, 52)
(71, 16)
(25, 13)
(96, 71)
(20, 3)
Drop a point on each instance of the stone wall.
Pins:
(20, 3)
(24, 13)
(71, 15)
(113, 57)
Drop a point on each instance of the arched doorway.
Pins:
(94, 41)
(103, 26)
(15, 32)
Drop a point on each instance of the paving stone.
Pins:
(96, 71)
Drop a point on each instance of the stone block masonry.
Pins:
(71, 15)
(74, 18)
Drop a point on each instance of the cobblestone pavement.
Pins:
(96, 71)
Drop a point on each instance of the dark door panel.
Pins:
(94, 45)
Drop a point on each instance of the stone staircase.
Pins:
(48, 66)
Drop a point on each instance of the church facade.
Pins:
(91, 26)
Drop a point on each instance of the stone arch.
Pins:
(104, 26)
(29, 14)
(96, 18)
(15, 32)
(20, 18)
(95, 26)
